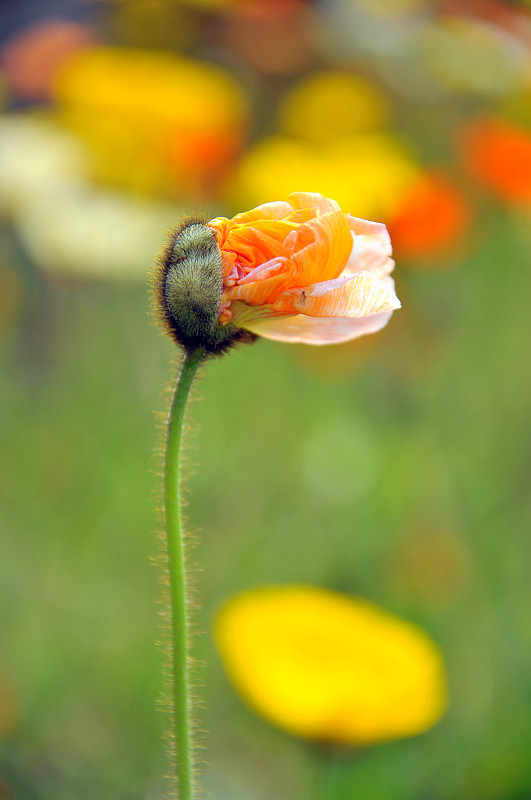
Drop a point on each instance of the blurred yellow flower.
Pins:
(331, 105)
(331, 668)
(157, 121)
(369, 172)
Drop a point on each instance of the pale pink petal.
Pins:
(371, 249)
(317, 330)
(313, 200)
(266, 270)
(375, 230)
(368, 254)
(290, 242)
(361, 295)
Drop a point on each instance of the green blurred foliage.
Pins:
(402, 479)
(394, 468)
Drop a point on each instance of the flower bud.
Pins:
(188, 290)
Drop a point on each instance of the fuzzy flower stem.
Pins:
(179, 672)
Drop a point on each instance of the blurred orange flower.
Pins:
(303, 271)
(30, 60)
(498, 154)
(431, 217)
(331, 668)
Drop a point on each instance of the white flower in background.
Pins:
(36, 157)
(95, 233)
(68, 225)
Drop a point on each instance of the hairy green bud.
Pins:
(188, 290)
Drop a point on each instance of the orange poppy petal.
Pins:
(327, 252)
(259, 242)
(301, 215)
(260, 292)
(359, 296)
(221, 226)
(317, 330)
(274, 266)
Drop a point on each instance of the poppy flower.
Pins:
(331, 668)
(301, 270)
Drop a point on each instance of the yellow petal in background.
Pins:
(151, 117)
(367, 174)
(329, 667)
(331, 105)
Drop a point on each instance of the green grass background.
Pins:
(396, 470)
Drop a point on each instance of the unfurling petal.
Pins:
(371, 249)
(317, 331)
(360, 295)
(376, 230)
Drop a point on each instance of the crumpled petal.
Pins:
(251, 245)
(328, 247)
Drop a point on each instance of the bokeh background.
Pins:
(393, 468)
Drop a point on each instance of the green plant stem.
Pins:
(180, 699)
